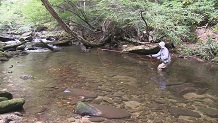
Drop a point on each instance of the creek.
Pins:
(125, 81)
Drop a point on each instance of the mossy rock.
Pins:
(1, 45)
(3, 99)
(6, 94)
(11, 105)
(4, 54)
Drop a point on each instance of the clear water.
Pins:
(136, 76)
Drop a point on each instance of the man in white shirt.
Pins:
(163, 55)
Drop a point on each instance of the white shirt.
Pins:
(163, 55)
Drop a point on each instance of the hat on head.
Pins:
(162, 44)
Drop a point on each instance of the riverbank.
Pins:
(203, 50)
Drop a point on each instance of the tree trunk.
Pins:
(58, 19)
(68, 30)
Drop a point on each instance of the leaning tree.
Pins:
(104, 33)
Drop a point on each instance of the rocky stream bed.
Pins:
(52, 86)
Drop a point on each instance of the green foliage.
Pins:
(124, 12)
(10, 15)
(175, 19)
(207, 50)
(36, 12)
(12, 18)
(186, 50)
(9, 8)
(215, 28)
(205, 8)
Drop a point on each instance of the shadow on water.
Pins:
(121, 78)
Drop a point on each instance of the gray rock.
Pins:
(96, 119)
(187, 88)
(110, 112)
(84, 109)
(25, 77)
(213, 113)
(132, 104)
(184, 112)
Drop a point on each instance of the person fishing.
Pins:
(163, 55)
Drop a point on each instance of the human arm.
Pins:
(156, 55)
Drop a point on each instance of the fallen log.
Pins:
(5, 37)
(11, 105)
(49, 47)
(13, 46)
(62, 43)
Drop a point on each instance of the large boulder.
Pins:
(84, 109)
(6, 94)
(3, 99)
(105, 111)
(11, 105)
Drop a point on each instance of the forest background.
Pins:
(191, 25)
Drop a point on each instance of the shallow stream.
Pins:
(125, 81)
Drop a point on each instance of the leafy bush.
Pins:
(207, 50)
(35, 12)
(175, 19)
(215, 28)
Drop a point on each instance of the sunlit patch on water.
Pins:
(40, 50)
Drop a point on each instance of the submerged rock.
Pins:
(100, 111)
(96, 119)
(111, 112)
(211, 112)
(187, 88)
(183, 112)
(86, 110)
(25, 77)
